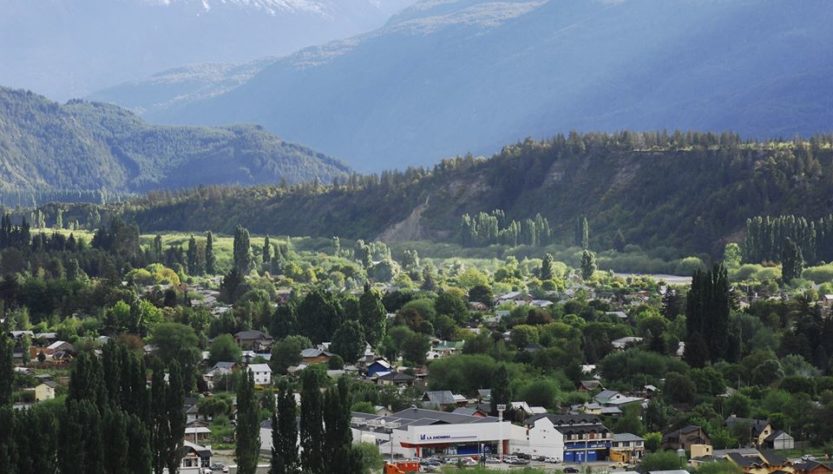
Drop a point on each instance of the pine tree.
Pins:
(247, 432)
(276, 463)
(546, 268)
(312, 430)
(210, 259)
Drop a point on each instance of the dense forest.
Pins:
(84, 148)
(689, 191)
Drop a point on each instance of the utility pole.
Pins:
(500, 409)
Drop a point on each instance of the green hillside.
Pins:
(686, 191)
(89, 146)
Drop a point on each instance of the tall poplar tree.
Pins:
(267, 251)
(6, 369)
(287, 429)
(210, 259)
(242, 251)
(312, 430)
(792, 261)
(247, 432)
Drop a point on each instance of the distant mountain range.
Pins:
(446, 77)
(70, 48)
(90, 146)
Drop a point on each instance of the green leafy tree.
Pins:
(630, 421)
(588, 264)
(178, 342)
(372, 316)
(247, 431)
(661, 461)
(414, 348)
(224, 349)
(287, 352)
(501, 389)
(319, 315)
(348, 341)
(546, 268)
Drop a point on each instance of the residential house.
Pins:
(525, 410)
(684, 438)
(395, 378)
(378, 365)
(447, 348)
(197, 434)
(262, 374)
(442, 399)
(614, 398)
(813, 467)
(618, 315)
(219, 370)
(624, 342)
(627, 448)
(779, 440)
(757, 431)
(756, 462)
(194, 455)
(315, 355)
(45, 391)
(589, 385)
(471, 411)
(253, 340)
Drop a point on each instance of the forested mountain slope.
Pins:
(687, 191)
(447, 77)
(88, 146)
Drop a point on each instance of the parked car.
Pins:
(551, 460)
(571, 470)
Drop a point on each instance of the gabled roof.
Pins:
(260, 368)
(777, 434)
(396, 377)
(251, 335)
(313, 352)
(625, 437)
(440, 397)
(565, 420)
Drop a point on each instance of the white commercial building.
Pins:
(418, 433)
